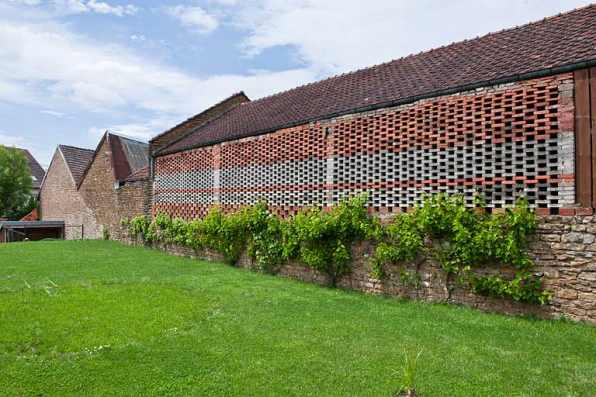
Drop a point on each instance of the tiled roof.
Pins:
(143, 173)
(37, 172)
(197, 121)
(127, 155)
(561, 40)
(77, 159)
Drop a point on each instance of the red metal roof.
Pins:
(561, 40)
(127, 156)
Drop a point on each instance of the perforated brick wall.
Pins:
(502, 141)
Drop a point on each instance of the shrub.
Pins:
(321, 238)
(473, 237)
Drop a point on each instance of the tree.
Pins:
(15, 182)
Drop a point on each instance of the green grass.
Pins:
(95, 318)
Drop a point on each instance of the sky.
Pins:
(71, 69)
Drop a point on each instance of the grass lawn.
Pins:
(95, 318)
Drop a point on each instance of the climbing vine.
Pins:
(470, 237)
(321, 238)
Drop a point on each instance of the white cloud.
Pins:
(82, 74)
(142, 130)
(53, 113)
(27, 2)
(193, 18)
(15, 141)
(80, 6)
(70, 6)
(43, 154)
(104, 8)
(337, 36)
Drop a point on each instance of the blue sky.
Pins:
(70, 69)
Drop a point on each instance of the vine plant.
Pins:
(321, 239)
(317, 237)
(473, 237)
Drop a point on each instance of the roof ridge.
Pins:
(241, 92)
(120, 135)
(193, 130)
(75, 147)
(426, 52)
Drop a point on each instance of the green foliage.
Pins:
(410, 366)
(322, 239)
(319, 238)
(254, 228)
(140, 226)
(524, 287)
(401, 241)
(24, 210)
(473, 238)
(106, 234)
(15, 184)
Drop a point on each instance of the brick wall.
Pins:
(108, 203)
(60, 201)
(506, 140)
(135, 198)
(501, 140)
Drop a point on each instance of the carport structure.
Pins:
(11, 232)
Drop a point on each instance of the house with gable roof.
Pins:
(36, 170)
(59, 197)
(91, 190)
(116, 183)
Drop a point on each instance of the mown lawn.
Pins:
(94, 318)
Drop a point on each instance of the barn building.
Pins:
(91, 190)
(504, 114)
(59, 197)
(116, 183)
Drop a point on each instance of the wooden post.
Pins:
(592, 83)
(583, 141)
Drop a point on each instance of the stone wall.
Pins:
(110, 204)
(134, 198)
(60, 201)
(562, 248)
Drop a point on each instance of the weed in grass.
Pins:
(409, 375)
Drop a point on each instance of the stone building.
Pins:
(505, 114)
(116, 183)
(59, 197)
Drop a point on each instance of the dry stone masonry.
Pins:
(563, 250)
(502, 140)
